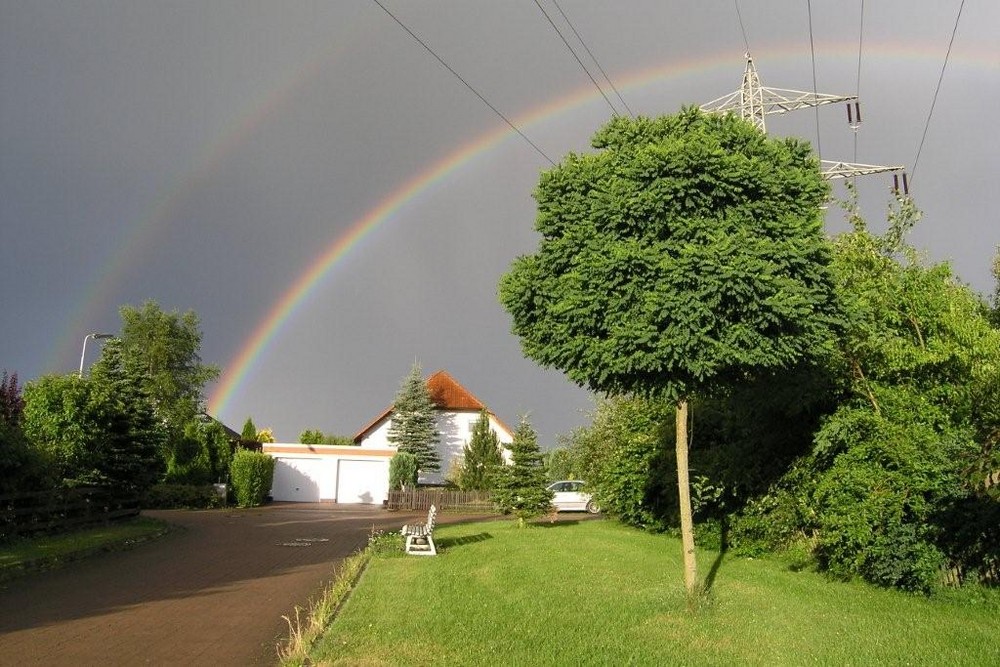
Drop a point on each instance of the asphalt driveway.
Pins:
(212, 592)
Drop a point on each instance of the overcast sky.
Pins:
(208, 154)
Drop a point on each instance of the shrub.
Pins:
(251, 474)
(403, 471)
(190, 461)
(869, 497)
(182, 496)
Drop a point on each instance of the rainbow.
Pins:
(98, 294)
(310, 279)
(238, 369)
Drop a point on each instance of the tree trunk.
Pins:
(684, 490)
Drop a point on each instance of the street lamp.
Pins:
(95, 336)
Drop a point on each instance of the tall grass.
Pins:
(597, 593)
(304, 629)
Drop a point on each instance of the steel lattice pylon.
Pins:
(753, 102)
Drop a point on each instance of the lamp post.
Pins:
(95, 336)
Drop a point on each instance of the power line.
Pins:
(580, 62)
(812, 51)
(913, 171)
(743, 29)
(857, 93)
(467, 84)
(594, 58)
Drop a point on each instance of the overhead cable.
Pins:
(594, 58)
(746, 42)
(913, 171)
(857, 91)
(575, 56)
(812, 51)
(466, 83)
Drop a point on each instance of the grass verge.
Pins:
(48, 551)
(304, 631)
(598, 593)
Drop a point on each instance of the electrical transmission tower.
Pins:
(753, 102)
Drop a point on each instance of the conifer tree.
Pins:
(413, 427)
(521, 486)
(249, 432)
(481, 456)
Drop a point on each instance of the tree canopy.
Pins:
(160, 350)
(683, 256)
(93, 433)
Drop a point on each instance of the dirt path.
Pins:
(210, 593)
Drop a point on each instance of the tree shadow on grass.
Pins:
(448, 542)
(554, 524)
(550, 521)
(723, 548)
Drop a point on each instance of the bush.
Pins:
(182, 496)
(869, 497)
(403, 471)
(251, 474)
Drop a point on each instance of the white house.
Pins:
(360, 474)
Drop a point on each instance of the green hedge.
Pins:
(182, 496)
(251, 474)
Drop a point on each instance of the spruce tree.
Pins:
(481, 456)
(249, 432)
(521, 486)
(413, 427)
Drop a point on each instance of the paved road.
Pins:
(212, 592)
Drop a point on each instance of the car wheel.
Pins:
(592, 507)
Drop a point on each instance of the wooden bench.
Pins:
(420, 537)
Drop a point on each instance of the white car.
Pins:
(569, 496)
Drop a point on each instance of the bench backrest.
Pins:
(431, 516)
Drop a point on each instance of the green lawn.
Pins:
(597, 593)
(46, 551)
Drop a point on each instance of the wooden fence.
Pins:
(422, 499)
(955, 576)
(61, 510)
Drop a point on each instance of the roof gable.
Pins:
(447, 394)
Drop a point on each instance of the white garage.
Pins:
(362, 481)
(315, 473)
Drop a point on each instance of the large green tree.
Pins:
(481, 456)
(414, 421)
(160, 351)
(93, 433)
(684, 256)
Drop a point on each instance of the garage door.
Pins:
(363, 482)
(304, 480)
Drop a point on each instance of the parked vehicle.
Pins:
(569, 496)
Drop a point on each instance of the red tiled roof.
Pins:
(447, 394)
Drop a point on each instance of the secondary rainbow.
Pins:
(143, 232)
